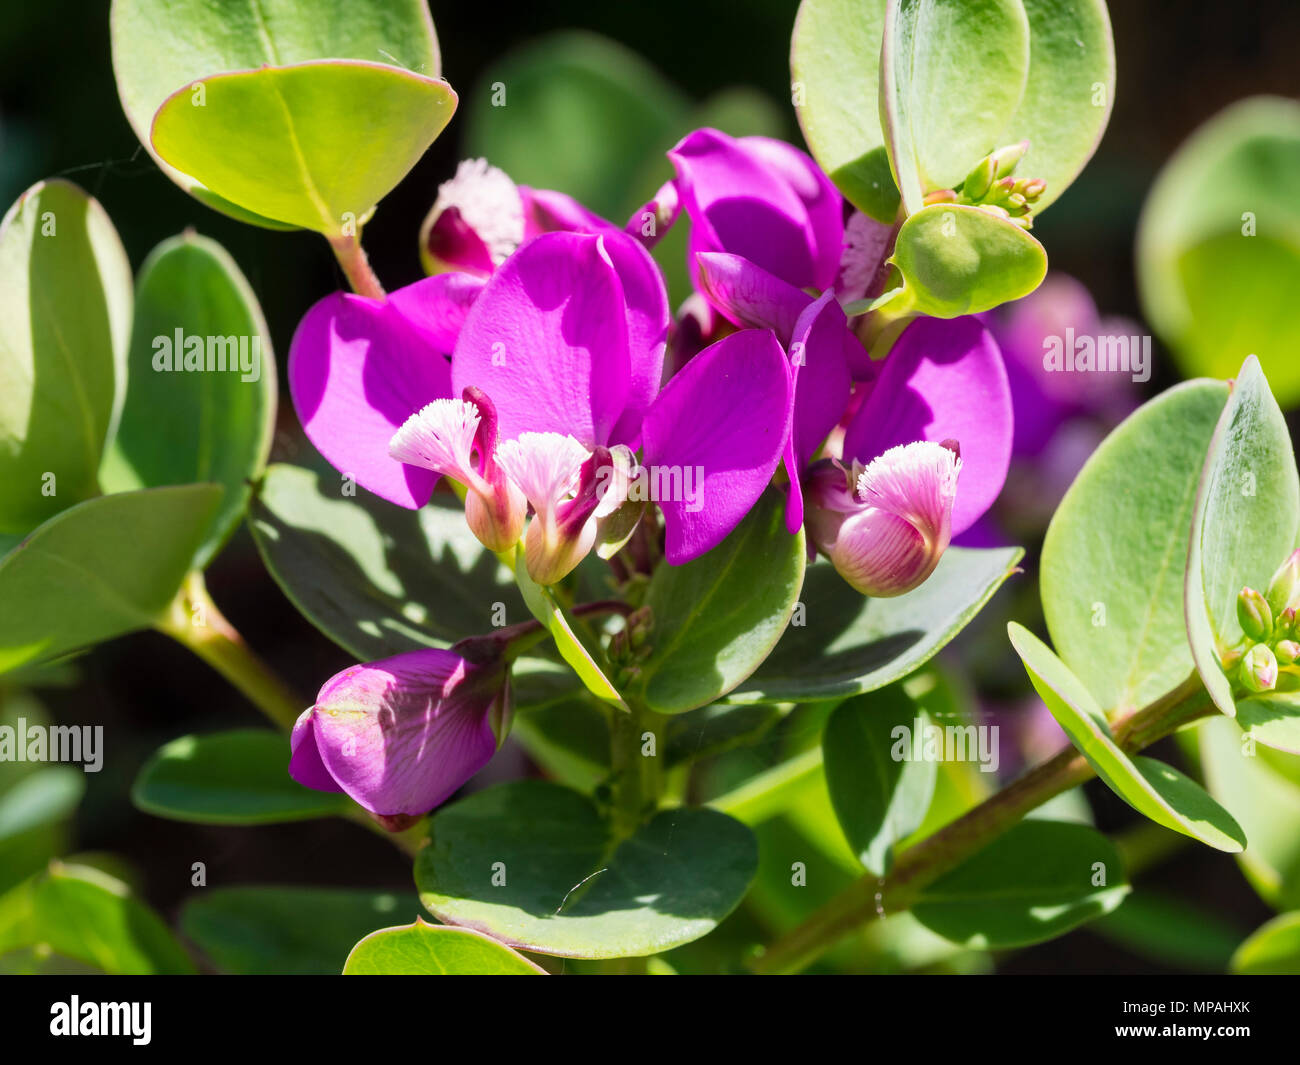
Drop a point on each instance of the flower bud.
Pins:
(1006, 159)
(1258, 670)
(401, 735)
(886, 532)
(1286, 651)
(1284, 628)
(476, 222)
(1254, 615)
(978, 180)
(1282, 588)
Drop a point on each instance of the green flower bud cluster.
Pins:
(1269, 624)
(993, 187)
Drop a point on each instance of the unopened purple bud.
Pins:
(400, 735)
(1287, 651)
(1006, 159)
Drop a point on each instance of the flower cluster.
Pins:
(541, 371)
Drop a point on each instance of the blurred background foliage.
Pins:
(696, 62)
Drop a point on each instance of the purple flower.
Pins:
(762, 200)
(400, 735)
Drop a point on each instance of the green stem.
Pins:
(638, 778)
(194, 621)
(356, 266)
(923, 863)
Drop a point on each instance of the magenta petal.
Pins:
(739, 202)
(943, 379)
(821, 374)
(748, 296)
(358, 368)
(726, 414)
(548, 340)
(821, 200)
(548, 211)
(402, 734)
(646, 307)
(305, 765)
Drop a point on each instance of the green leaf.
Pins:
(1265, 800)
(240, 777)
(835, 70)
(957, 260)
(1244, 525)
(772, 791)
(1069, 92)
(377, 579)
(100, 569)
(1218, 245)
(1273, 719)
(1153, 789)
(573, 647)
(569, 740)
(212, 422)
(710, 730)
(65, 320)
(1273, 949)
(533, 865)
(952, 75)
(161, 45)
(577, 113)
(423, 949)
(1167, 929)
(41, 798)
(83, 914)
(288, 930)
(1036, 882)
(1116, 550)
(851, 644)
(316, 145)
(880, 797)
(718, 617)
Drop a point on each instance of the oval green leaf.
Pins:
(1273, 719)
(240, 777)
(718, 617)
(294, 931)
(835, 74)
(851, 644)
(952, 75)
(377, 579)
(65, 321)
(422, 949)
(1069, 92)
(1218, 245)
(316, 145)
(1038, 881)
(880, 794)
(202, 398)
(161, 45)
(81, 913)
(533, 865)
(1265, 800)
(1116, 550)
(1153, 789)
(957, 260)
(1244, 525)
(1273, 949)
(105, 567)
